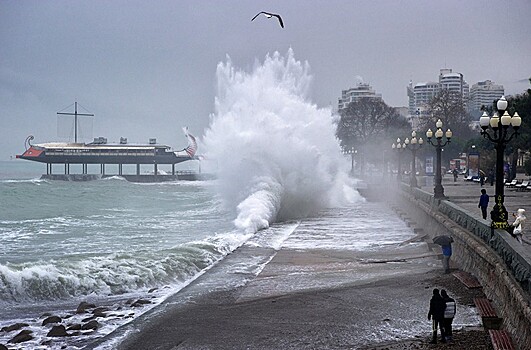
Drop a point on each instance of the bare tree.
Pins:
(367, 121)
(449, 107)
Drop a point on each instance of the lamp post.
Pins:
(414, 146)
(438, 190)
(496, 130)
(399, 148)
(352, 153)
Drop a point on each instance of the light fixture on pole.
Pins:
(399, 148)
(414, 146)
(352, 153)
(438, 190)
(496, 130)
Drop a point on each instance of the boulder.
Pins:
(3, 347)
(51, 319)
(87, 319)
(152, 290)
(74, 327)
(23, 336)
(100, 312)
(14, 327)
(57, 331)
(83, 306)
(140, 302)
(90, 325)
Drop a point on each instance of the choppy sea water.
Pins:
(102, 241)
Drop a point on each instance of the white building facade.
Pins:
(454, 83)
(483, 93)
(355, 93)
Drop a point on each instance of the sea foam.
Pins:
(276, 152)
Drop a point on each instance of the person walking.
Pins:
(455, 174)
(483, 203)
(518, 225)
(449, 314)
(436, 315)
(491, 177)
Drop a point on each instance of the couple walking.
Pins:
(442, 312)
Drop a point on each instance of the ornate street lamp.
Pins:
(496, 129)
(438, 190)
(400, 148)
(414, 146)
(352, 153)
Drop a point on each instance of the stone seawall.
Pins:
(497, 260)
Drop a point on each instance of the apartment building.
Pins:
(483, 93)
(357, 92)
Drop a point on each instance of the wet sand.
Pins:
(315, 300)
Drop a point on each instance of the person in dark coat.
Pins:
(491, 177)
(483, 203)
(449, 314)
(436, 314)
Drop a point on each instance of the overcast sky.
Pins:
(147, 68)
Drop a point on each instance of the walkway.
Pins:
(466, 195)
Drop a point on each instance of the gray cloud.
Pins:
(147, 68)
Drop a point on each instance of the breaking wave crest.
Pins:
(276, 152)
(110, 275)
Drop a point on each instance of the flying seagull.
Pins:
(269, 15)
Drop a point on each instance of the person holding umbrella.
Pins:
(446, 244)
(481, 178)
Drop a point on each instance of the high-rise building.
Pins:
(483, 93)
(355, 93)
(420, 94)
(454, 83)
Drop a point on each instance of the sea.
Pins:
(110, 242)
(113, 243)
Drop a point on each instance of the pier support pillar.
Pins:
(120, 169)
(156, 169)
(138, 169)
(173, 169)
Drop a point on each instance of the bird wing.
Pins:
(268, 14)
(258, 14)
(280, 20)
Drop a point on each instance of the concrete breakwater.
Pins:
(498, 261)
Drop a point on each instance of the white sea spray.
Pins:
(277, 154)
